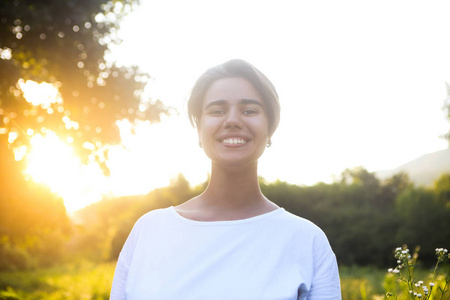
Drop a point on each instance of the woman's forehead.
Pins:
(234, 89)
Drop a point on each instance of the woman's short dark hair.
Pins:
(235, 68)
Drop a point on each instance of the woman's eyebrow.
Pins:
(216, 102)
(225, 102)
(251, 101)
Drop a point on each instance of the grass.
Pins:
(360, 283)
(85, 280)
(368, 283)
(75, 281)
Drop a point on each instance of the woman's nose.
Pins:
(233, 119)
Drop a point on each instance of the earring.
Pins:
(269, 143)
(200, 144)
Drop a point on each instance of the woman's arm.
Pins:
(120, 279)
(325, 281)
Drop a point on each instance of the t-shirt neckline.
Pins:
(225, 222)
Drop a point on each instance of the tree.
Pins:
(424, 220)
(64, 43)
(442, 189)
(60, 45)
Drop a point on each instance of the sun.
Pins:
(52, 161)
(147, 157)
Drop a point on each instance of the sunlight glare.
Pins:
(52, 161)
(20, 152)
(148, 157)
(12, 136)
(39, 94)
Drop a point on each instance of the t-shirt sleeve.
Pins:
(325, 281)
(120, 279)
(123, 263)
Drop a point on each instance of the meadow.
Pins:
(76, 281)
(78, 263)
(85, 280)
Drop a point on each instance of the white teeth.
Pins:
(234, 141)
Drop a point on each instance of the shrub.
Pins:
(402, 282)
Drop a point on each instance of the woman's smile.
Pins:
(234, 141)
(233, 126)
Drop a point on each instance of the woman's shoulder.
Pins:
(304, 233)
(152, 220)
(292, 219)
(155, 215)
(297, 224)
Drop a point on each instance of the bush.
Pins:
(13, 257)
(403, 283)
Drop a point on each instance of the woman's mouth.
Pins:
(234, 141)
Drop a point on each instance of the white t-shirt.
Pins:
(274, 256)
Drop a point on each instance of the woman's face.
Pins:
(233, 126)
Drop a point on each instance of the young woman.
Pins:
(230, 242)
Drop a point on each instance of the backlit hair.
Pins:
(235, 68)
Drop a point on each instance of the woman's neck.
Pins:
(234, 194)
(236, 189)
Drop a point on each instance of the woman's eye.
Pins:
(250, 112)
(217, 112)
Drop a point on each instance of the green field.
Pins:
(93, 281)
(76, 281)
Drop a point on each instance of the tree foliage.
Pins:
(61, 45)
(364, 222)
(64, 43)
(364, 218)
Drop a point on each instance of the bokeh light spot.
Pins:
(39, 94)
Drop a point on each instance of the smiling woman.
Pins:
(222, 231)
(243, 113)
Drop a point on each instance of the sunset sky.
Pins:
(361, 83)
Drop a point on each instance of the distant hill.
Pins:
(424, 170)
